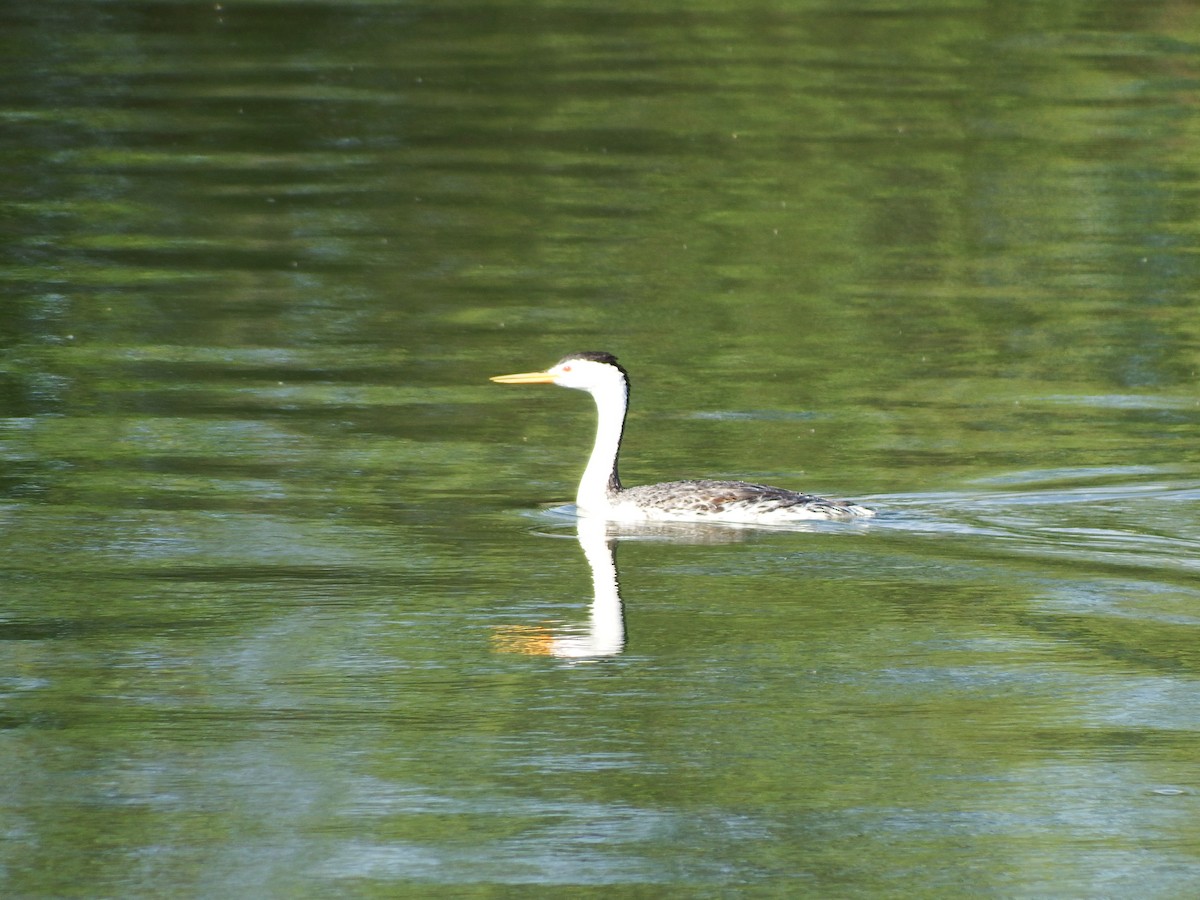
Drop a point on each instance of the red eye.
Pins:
(566, 368)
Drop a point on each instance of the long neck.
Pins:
(600, 481)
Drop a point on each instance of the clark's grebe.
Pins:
(600, 491)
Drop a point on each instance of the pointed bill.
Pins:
(524, 378)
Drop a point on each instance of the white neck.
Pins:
(600, 481)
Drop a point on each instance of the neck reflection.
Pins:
(604, 632)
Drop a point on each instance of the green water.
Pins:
(288, 603)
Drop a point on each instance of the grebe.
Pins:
(600, 491)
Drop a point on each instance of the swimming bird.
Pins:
(602, 494)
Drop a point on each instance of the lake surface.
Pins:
(291, 605)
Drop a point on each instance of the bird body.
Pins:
(601, 493)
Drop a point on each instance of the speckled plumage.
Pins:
(600, 490)
(732, 501)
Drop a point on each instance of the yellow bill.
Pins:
(524, 378)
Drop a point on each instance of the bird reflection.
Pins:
(604, 632)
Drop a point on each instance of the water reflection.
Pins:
(604, 633)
